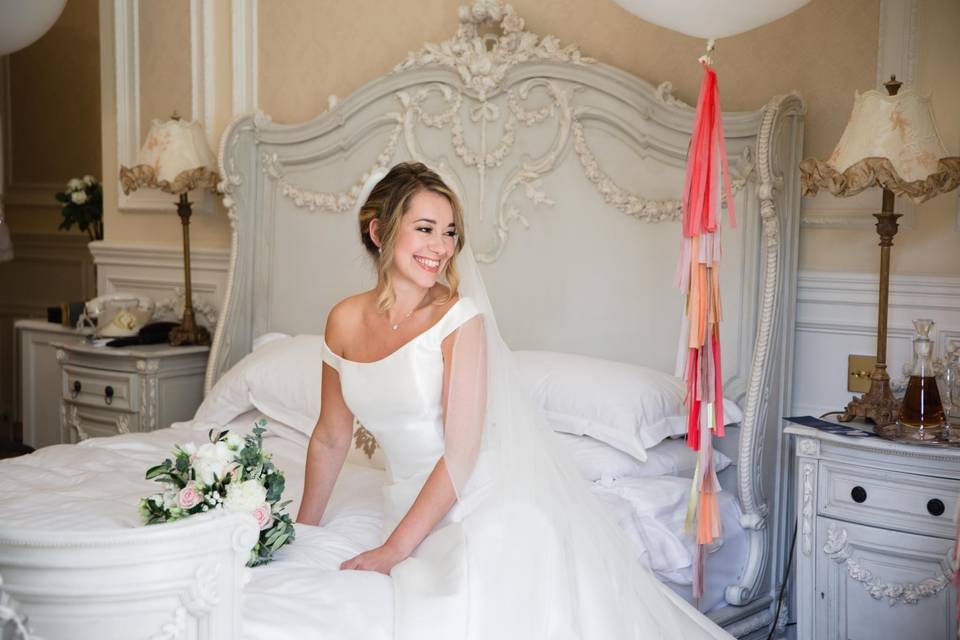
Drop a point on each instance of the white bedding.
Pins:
(97, 485)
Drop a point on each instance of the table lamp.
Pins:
(891, 141)
(175, 159)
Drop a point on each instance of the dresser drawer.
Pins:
(888, 499)
(81, 422)
(100, 388)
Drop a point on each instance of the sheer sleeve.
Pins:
(465, 401)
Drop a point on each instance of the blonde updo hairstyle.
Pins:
(388, 201)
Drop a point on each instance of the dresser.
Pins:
(875, 532)
(106, 391)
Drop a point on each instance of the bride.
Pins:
(490, 530)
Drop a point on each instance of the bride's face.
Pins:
(426, 239)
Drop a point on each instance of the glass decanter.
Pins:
(951, 384)
(921, 408)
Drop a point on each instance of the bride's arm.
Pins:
(462, 425)
(328, 448)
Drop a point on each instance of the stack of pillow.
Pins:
(618, 420)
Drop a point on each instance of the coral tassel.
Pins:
(706, 185)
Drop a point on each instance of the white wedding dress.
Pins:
(512, 559)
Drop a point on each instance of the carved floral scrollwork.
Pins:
(342, 202)
(123, 423)
(200, 600)
(838, 549)
(806, 508)
(71, 418)
(483, 60)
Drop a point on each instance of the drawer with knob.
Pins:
(100, 388)
(81, 422)
(888, 499)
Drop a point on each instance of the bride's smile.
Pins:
(425, 240)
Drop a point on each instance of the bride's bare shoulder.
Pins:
(345, 314)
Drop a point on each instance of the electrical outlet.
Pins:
(859, 369)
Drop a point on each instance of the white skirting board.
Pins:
(837, 316)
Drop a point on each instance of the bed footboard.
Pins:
(180, 580)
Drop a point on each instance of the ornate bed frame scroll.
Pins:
(532, 135)
(182, 580)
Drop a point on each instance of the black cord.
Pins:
(786, 579)
(831, 413)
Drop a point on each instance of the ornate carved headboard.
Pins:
(570, 172)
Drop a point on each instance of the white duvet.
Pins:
(97, 485)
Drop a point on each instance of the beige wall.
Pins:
(53, 124)
(933, 244)
(50, 108)
(308, 50)
(164, 61)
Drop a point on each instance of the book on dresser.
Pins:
(875, 535)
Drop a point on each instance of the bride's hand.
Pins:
(381, 559)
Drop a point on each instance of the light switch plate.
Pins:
(859, 369)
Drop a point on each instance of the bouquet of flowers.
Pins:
(83, 205)
(231, 473)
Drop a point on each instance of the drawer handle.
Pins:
(859, 494)
(108, 394)
(77, 387)
(935, 507)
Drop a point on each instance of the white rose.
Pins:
(189, 449)
(212, 460)
(75, 184)
(78, 197)
(245, 497)
(234, 442)
(89, 180)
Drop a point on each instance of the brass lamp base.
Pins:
(196, 335)
(877, 404)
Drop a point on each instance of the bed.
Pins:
(570, 172)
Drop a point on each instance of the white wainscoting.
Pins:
(837, 316)
(157, 272)
(47, 269)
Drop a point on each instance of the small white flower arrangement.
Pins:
(83, 206)
(229, 472)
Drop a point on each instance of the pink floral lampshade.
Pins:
(175, 158)
(891, 141)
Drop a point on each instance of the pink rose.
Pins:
(188, 497)
(263, 516)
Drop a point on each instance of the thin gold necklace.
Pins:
(421, 305)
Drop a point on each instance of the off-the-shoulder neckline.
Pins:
(404, 345)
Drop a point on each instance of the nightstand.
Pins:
(874, 537)
(37, 383)
(106, 391)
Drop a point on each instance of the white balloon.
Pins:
(22, 22)
(711, 18)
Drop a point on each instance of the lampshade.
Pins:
(891, 141)
(175, 158)
(900, 128)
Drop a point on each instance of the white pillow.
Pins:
(281, 378)
(629, 407)
(599, 461)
